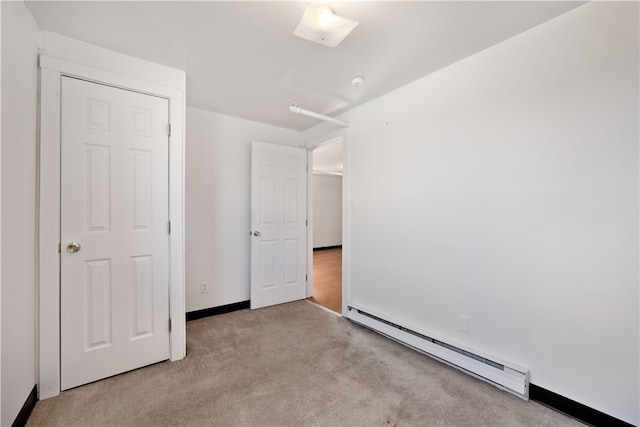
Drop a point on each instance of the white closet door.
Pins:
(114, 231)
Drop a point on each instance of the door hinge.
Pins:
(169, 226)
(169, 325)
(59, 248)
(169, 130)
(306, 277)
(306, 222)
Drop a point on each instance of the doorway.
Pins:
(124, 73)
(326, 200)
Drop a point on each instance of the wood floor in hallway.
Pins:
(327, 278)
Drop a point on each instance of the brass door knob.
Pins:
(73, 247)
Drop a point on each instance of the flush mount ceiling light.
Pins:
(321, 25)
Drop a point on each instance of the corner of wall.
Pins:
(20, 35)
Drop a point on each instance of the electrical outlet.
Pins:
(463, 323)
(204, 289)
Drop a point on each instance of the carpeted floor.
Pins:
(292, 365)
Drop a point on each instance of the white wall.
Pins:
(505, 188)
(218, 171)
(19, 102)
(0, 216)
(327, 210)
(102, 59)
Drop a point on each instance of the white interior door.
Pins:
(278, 224)
(114, 231)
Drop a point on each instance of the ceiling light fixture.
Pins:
(321, 25)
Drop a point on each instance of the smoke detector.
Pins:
(357, 82)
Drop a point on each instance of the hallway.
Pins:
(327, 278)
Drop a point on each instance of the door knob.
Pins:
(73, 247)
(257, 233)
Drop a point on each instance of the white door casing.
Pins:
(348, 208)
(114, 204)
(62, 56)
(278, 224)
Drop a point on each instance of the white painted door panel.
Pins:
(114, 204)
(278, 223)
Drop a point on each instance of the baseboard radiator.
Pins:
(506, 376)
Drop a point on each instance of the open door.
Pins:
(278, 224)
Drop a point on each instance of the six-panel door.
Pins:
(114, 231)
(278, 220)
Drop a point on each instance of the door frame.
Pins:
(48, 258)
(330, 138)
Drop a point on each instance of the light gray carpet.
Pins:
(292, 365)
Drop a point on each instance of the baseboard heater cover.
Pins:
(506, 376)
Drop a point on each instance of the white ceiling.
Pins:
(241, 58)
